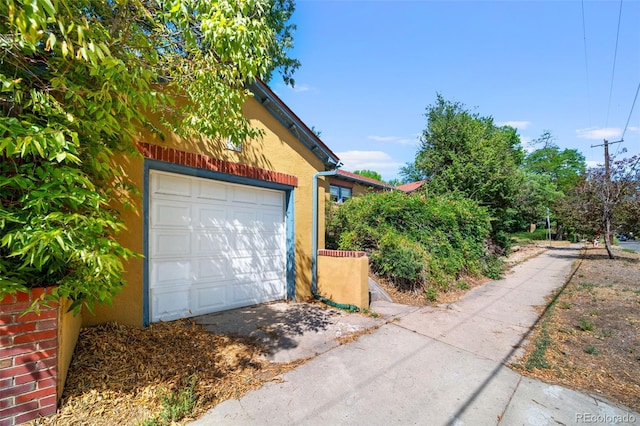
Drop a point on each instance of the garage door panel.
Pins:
(271, 199)
(165, 273)
(170, 214)
(222, 247)
(171, 303)
(212, 217)
(212, 269)
(171, 184)
(211, 242)
(258, 265)
(170, 244)
(212, 192)
(244, 294)
(262, 276)
(245, 195)
(243, 220)
(209, 298)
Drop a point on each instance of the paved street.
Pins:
(434, 366)
(631, 245)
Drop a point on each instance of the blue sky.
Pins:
(370, 69)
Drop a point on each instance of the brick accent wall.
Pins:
(205, 162)
(341, 253)
(28, 359)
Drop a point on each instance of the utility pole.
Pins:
(606, 155)
(608, 239)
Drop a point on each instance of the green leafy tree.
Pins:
(562, 169)
(410, 173)
(605, 196)
(465, 153)
(369, 173)
(78, 80)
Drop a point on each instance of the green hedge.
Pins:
(414, 241)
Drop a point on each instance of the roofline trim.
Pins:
(278, 109)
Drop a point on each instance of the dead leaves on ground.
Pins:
(119, 374)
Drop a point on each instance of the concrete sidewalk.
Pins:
(434, 366)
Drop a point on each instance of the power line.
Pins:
(613, 72)
(586, 63)
(626, 126)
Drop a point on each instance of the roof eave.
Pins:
(281, 112)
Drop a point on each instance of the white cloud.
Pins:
(378, 161)
(299, 88)
(599, 133)
(633, 129)
(520, 125)
(395, 139)
(527, 144)
(592, 164)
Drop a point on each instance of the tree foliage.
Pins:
(369, 173)
(551, 174)
(465, 153)
(563, 167)
(604, 199)
(79, 79)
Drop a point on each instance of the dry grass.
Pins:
(119, 375)
(589, 339)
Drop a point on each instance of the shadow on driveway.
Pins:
(290, 331)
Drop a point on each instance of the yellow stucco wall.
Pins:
(344, 279)
(68, 332)
(278, 150)
(359, 189)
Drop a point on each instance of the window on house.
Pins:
(234, 146)
(339, 193)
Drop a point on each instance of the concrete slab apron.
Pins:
(405, 373)
(393, 376)
(491, 320)
(289, 331)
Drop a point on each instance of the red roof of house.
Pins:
(363, 179)
(410, 187)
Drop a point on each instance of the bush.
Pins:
(400, 260)
(414, 241)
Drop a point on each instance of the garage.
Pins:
(213, 245)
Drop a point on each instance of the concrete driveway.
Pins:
(434, 366)
(291, 331)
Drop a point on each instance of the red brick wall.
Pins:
(28, 359)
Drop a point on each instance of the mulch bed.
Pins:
(590, 337)
(120, 374)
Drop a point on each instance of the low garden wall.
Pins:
(343, 276)
(35, 352)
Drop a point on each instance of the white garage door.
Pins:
(213, 246)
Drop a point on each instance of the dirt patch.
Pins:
(589, 339)
(122, 375)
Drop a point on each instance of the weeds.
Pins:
(431, 294)
(370, 313)
(586, 325)
(592, 350)
(176, 405)
(537, 357)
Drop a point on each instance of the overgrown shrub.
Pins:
(415, 241)
(401, 260)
